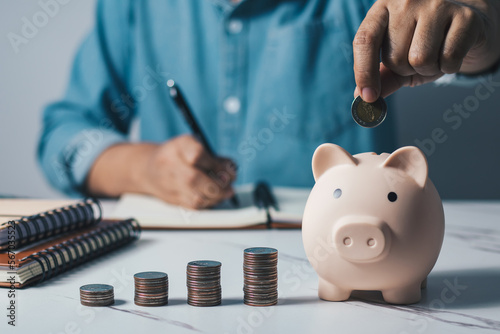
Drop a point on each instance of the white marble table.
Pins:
(463, 294)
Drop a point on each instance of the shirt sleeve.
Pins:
(464, 80)
(96, 110)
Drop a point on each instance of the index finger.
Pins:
(366, 51)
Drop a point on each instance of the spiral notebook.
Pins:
(18, 230)
(44, 260)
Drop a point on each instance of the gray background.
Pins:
(464, 166)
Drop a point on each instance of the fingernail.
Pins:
(368, 94)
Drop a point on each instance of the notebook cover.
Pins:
(21, 256)
(27, 251)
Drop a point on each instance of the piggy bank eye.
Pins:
(337, 193)
(392, 196)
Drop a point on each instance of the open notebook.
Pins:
(153, 213)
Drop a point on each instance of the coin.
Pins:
(204, 264)
(203, 283)
(151, 288)
(368, 115)
(150, 275)
(261, 251)
(97, 295)
(96, 288)
(260, 279)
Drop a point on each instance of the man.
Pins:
(267, 80)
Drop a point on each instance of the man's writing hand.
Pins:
(178, 171)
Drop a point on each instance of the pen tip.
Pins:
(170, 83)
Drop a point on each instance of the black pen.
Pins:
(264, 199)
(176, 95)
(265, 196)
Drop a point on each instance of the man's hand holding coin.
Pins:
(421, 40)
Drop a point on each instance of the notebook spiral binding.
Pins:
(36, 227)
(73, 252)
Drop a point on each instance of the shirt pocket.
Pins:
(308, 74)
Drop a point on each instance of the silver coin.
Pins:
(266, 251)
(151, 275)
(204, 264)
(96, 288)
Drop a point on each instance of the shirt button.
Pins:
(232, 104)
(235, 26)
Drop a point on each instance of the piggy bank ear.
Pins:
(410, 160)
(329, 155)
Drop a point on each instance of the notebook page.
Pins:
(27, 207)
(291, 204)
(155, 213)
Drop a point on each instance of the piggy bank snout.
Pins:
(361, 240)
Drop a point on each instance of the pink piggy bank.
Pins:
(372, 222)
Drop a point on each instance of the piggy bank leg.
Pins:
(424, 284)
(405, 295)
(331, 292)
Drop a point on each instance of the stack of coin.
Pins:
(260, 276)
(203, 283)
(151, 288)
(97, 295)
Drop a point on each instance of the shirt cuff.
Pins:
(83, 150)
(466, 80)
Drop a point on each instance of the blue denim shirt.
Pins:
(268, 81)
